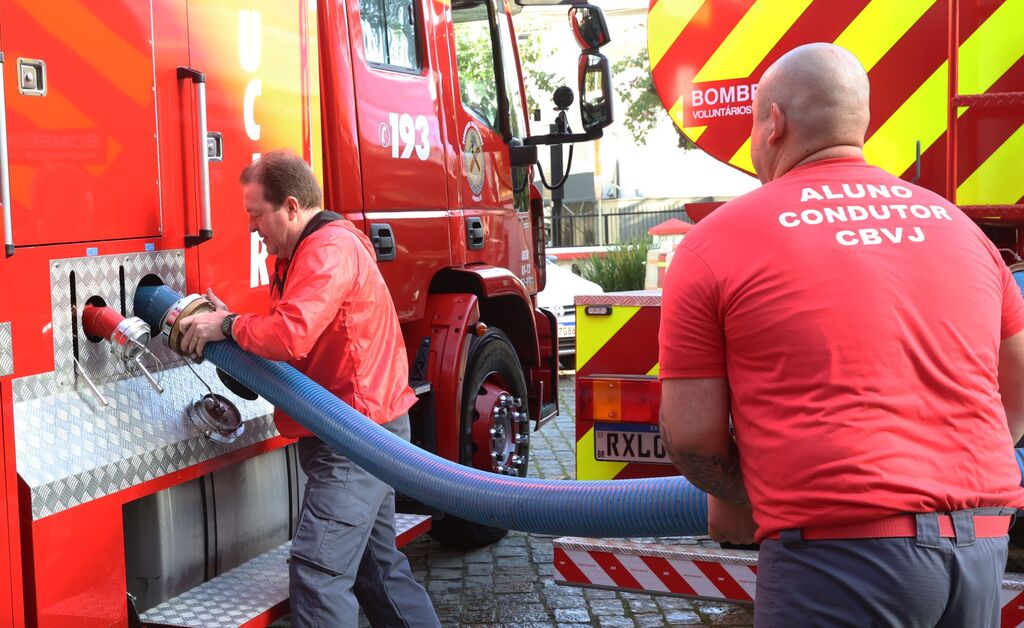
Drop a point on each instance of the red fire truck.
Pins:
(947, 112)
(123, 128)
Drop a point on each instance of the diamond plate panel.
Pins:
(234, 598)
(6, 351)
(70, 449)
(100, 277)
(231, 599)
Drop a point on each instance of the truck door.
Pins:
(261, 78)
(488, 104)
(402, 150)
(81, 118)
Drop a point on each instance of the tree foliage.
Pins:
(644, 111)
(540, 84)
(476, 66)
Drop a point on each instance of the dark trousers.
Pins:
(906, 582)
(343, 556)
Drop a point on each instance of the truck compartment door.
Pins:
(81, 119)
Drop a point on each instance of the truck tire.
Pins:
(495, 428)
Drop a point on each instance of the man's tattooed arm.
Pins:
(715, 473)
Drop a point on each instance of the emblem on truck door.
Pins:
(473, 159)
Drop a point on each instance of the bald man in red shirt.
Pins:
(865, 337)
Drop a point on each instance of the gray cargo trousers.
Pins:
(343, 556)
(925, 581)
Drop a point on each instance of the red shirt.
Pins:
(858, 319)
(337, 324)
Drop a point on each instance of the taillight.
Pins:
(630, 399)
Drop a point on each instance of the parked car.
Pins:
(561, 287)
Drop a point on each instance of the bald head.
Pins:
(813, 100)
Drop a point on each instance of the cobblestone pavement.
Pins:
(510, 583)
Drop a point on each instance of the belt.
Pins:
(896, 526)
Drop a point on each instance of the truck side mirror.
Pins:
(595, 91)
(589, 27)
(521, 154)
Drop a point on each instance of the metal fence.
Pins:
(608, 228)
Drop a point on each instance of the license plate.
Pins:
(567, 331)
(629, 443)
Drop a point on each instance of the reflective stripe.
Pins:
(589, 567)
(753, 38)
(587, 468)
(599, 330)
(131, 61)
(653, 372)
(665, 21)
(920, 117)
(871, 34)
(694, 132)
(676, 113)
(984, 59)
(992, 49)
(879, 26)
(58, 108)
(997, 181)
(742, 158)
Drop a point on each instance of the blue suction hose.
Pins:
(668, 506)
(1018, 276)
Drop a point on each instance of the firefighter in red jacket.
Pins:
(332, 318)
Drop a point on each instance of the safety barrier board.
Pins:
(694, 572)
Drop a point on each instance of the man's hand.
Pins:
(200, 329)
(730, 523)
(217, 303)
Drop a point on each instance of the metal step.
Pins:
(691, 571)
(257, 589)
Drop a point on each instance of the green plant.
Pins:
(621, 268)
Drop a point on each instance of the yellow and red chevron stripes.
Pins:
(695, 572)
(623, 342)
(722, 45)
(647, 572)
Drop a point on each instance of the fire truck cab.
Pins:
(123, 129)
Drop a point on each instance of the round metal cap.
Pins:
(217, 417)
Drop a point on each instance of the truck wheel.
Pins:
(495, 428)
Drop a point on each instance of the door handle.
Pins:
(206, 229)
(384, 243)
(475, 233)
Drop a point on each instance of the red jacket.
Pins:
(336, 323)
